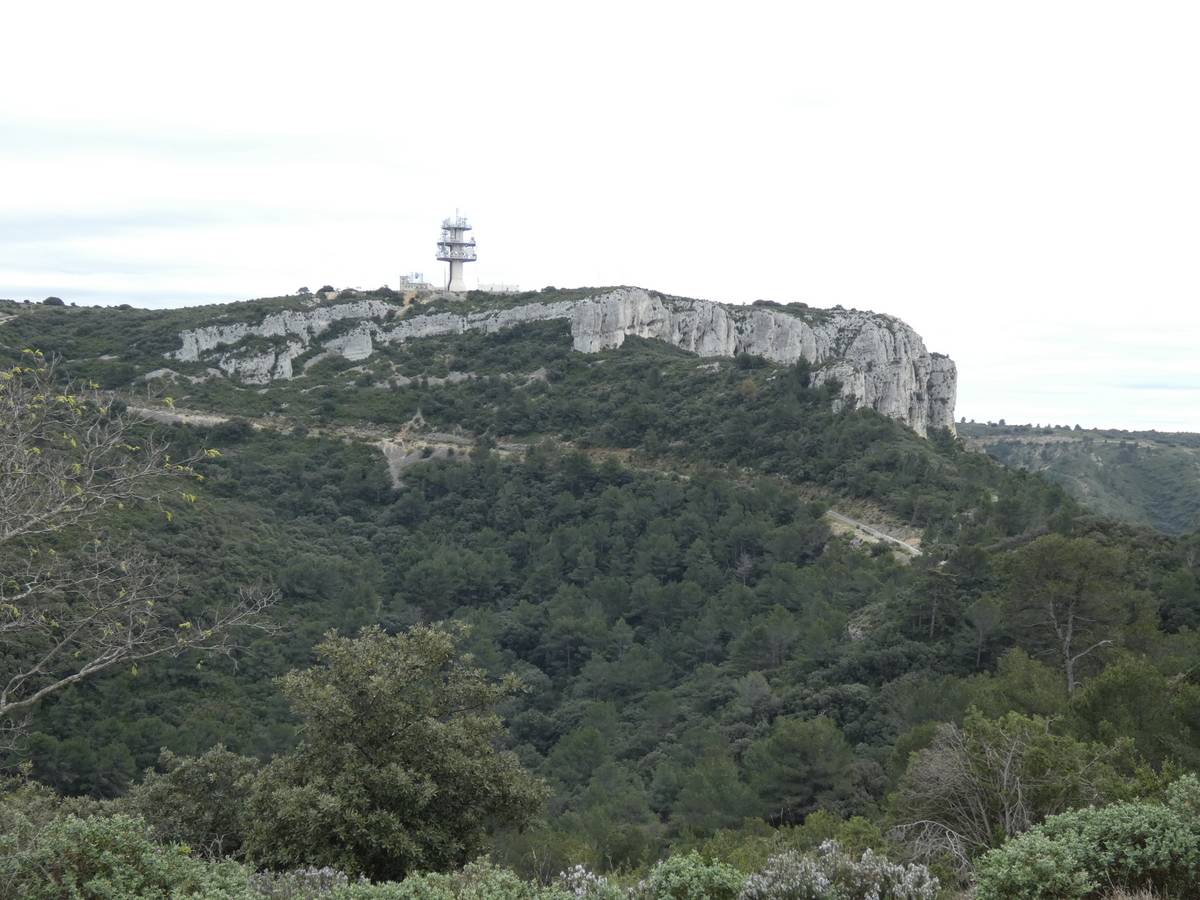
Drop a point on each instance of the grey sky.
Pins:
(1018, 181)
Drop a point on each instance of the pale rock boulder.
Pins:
(261, 368)
(354, 345)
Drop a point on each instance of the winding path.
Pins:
(872, 534)
(401, 450)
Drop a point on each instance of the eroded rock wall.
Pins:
(879, 361)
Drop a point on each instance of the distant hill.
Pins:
(1147, 477)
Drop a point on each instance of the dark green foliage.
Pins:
(802, 767)
(1073, 600)
(712, 795)
(396, 772)
(634, 605)
(198, 801)
(1134, 700)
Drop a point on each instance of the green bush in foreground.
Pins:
(1032, 867)
(116, 858)
(477, 881)
(1081, 853)
(690, 877)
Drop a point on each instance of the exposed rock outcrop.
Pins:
(879, 361)
(306, 324)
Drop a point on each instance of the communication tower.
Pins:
(456, 249)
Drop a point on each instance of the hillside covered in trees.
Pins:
(596, 607)
(1146, 477)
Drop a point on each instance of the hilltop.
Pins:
(877, 361)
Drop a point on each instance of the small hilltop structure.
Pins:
(413, 281)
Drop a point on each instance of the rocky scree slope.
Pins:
(880, 362)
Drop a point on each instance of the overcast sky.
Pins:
(1020, 181)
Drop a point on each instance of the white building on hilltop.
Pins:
(413, 281)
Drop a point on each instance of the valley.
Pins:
(1150, 478)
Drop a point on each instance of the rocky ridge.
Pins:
(880, 362)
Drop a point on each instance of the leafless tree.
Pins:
(988, 780)
(72, 604)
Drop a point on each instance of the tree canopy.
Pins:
(397, 769)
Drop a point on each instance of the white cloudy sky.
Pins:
(1020, 181)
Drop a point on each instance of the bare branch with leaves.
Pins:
(71, 611)
(991, 779)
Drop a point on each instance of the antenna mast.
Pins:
(456, 248)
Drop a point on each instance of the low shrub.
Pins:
(98, 857)
(788, 876)
(833, 874)
(578, 882)
(689, 877)
(299, 884)
(1076, 855)
(1131, 845)
(196, 800)
(1032, 867)
(478, 881)
(1183, 797)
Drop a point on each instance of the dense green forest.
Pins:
(708, 675)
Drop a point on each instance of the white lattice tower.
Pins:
(456, 248)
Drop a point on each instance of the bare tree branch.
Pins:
(70, 612)
(988, 780)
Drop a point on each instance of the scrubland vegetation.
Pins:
(631, 662)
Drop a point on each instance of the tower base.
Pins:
(456, 276)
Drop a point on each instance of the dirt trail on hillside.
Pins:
(870, 533)
(404, 448)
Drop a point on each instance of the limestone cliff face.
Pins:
(302, 323)
(879, 361)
